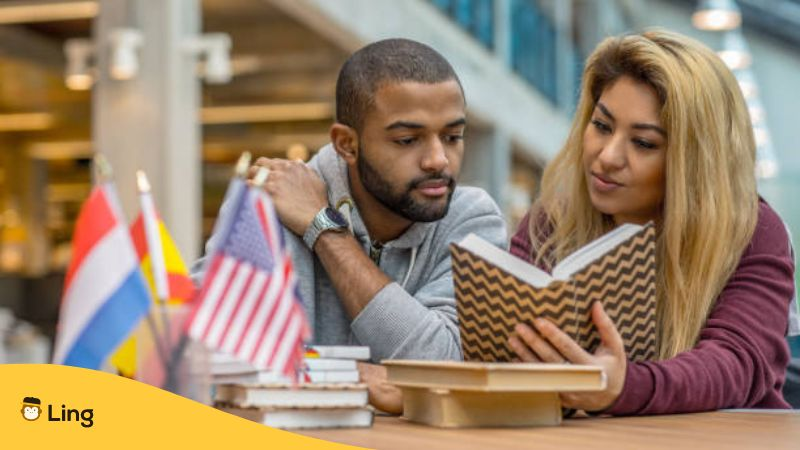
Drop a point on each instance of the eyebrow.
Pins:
(457, 122)
(637, 126)
(404, 124)
(418, 126)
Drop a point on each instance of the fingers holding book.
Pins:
(545, 342)
(530, 346)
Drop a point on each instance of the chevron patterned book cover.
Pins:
(496, 290)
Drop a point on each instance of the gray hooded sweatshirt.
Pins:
(413, 317)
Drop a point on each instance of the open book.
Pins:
(496, 290)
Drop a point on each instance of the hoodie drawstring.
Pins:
(345, 206)
(410, 265)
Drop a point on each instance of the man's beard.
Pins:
(402, 203)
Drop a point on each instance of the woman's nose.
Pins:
(612, 156)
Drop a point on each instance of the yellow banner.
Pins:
(51, 406)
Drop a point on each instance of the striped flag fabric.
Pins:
(249, 304)
(105, 295)
(179, 284)
(180, 287)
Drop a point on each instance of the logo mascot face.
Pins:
(31, 408)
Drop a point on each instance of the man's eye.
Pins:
(405, 141)
(453, 138)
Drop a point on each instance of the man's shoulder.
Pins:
(472, 201)
(472, 210)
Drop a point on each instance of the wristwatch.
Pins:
(327, 219)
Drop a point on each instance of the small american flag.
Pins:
(249, 304)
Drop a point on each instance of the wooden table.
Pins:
(715, 430)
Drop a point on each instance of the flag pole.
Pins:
(242, 165)
(155, 249)
(104, 174)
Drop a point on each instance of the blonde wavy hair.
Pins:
(710, 205)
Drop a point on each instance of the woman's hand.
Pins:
(382, 395)
(549, 344)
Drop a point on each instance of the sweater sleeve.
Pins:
(741, 356)
(521, 241)
(397, 324)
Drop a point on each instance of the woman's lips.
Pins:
(603, 184)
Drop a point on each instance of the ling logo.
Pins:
(31, 408)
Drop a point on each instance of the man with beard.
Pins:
(371, 216)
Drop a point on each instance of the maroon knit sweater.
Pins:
(741, 357)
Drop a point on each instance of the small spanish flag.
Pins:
(181, 288)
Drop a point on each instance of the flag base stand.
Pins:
(189, 374)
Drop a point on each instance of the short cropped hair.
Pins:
(386, 61)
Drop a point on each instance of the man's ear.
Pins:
(345, 142)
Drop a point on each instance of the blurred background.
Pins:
(180, 88)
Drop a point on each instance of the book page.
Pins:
(506, 261)
(594, 250)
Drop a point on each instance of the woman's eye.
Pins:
(644, 144)
(602, 127)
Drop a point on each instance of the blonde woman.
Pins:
(662, 134)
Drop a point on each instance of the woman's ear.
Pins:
(345, 142)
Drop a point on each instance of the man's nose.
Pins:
(435, 157)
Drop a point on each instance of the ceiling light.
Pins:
(735, 51)
(124, 60)
(215, 49)
(77, 74)
(747, 83)
(757, 113)
(717, 15)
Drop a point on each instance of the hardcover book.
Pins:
(284, 396)
(269, 377)
(304, 418)
(494, 377)
(479, 394)
(496, 290)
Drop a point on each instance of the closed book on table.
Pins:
(269, 377)
(329, 364)
(358, 352)
(304, 395)
(495, 290)
(224, 364)
(473, 394)
(497, 377)
(460, 409)
(303, 418)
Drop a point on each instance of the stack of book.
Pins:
(454, 394)
(328, 395)
(321, 364)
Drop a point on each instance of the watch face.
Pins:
(335, 217)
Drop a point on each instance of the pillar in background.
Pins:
(151, 122)
(487, 162)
